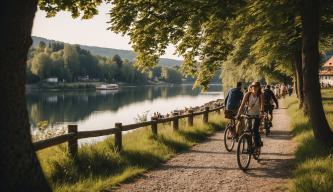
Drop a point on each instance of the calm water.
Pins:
(92, 110)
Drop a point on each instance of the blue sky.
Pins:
(87, 32)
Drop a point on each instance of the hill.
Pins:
(109, 52)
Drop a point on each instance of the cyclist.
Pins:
(269, 97)
(255, 102)
(233, 100)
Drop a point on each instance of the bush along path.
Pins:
(209, 167)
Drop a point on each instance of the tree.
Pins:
(171, 75)
(116, 59)
(71, 61)
(310, 64)
(20, 168)
(41, 45)
(41, 65)
(199, 30)
(196, 28)
(56, 46)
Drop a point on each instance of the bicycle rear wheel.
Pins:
(229, 141)
(267, 127)
(244, 151)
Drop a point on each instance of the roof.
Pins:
(327, 68)
(329, 63)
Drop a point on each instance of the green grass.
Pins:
(314, 162)
(98, 167)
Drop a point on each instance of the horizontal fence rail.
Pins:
(73, 134)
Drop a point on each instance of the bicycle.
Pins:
(246, 147)
(229, 139)
(266, 123)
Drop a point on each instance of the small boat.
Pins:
(108, 87)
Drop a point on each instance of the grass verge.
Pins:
(98, 167)
(314, 162)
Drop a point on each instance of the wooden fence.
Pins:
(74, 135)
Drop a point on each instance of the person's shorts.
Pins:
(269, 109)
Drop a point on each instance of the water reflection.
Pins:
(101, 109)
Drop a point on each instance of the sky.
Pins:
(92, 32)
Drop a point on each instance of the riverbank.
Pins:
(314, 170)
(98, 167)
(89, 85)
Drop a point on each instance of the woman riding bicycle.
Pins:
(255, 107)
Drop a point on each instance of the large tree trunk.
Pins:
(299, 78)
(310, 64)
(19, 167)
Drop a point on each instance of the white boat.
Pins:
(107, 87)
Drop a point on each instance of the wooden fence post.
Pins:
(175, 122)
(205, 115)
(117, 137)
(73, 143)
(190, 118)
(219, 110)
(154, 125)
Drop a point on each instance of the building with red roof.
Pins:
(326, 73)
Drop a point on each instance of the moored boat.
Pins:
(107, 87)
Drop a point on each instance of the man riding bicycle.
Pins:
(269, 98)
(233, 101)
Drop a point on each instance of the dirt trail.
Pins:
(209, 167)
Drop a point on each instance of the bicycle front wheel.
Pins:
(244, 151)
(229, 141)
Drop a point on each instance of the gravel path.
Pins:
(209, 167)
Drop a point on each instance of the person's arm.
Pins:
(245, 99)
(226, 99)
(261, 103)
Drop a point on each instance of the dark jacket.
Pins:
(268, 96)
(233, 99)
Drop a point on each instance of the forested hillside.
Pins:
(109, 52)
(71, 63)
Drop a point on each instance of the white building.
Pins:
(326, 74)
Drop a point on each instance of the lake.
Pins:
(92, 110)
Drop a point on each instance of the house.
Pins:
(326, 74)
(52, 80)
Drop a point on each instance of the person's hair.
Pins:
(239, 84)
(268, 86)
